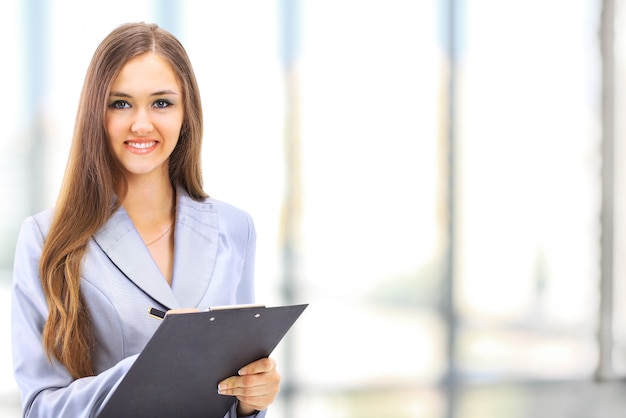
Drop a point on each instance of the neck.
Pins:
(150, 203)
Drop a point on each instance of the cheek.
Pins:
(176, 128)
(113, 128)
(108, 127)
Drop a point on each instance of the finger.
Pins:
(255, 396)
(227, 385)
(249, 391)
(257, 384)
(260, 397)
(239, 385)
(263, 365)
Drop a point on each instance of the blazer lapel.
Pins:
(123, 245)
(195, 248)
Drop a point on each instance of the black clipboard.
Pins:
(177, 373)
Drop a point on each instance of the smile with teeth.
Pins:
(141, 145)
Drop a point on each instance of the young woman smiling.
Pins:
(132, 228)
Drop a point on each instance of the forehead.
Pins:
(146, 73)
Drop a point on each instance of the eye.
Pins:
(162, 103)
(119, 104)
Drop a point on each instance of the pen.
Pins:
(158, 314)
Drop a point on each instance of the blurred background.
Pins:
(441, 180)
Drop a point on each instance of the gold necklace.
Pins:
(162, 235)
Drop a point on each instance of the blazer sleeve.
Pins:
(245, 289)
(47, 389)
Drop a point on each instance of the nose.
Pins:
(141, 125)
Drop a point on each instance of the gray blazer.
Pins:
(213, 265)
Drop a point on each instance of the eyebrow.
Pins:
(156, 93)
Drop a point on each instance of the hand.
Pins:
(256, 386)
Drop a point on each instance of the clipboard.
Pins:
(177, 373)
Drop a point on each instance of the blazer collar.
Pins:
(195, 250)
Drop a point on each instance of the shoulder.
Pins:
(227, 209)
(214, 212)
(223, 209)
(36, 227)
(231, 217)
(29, 245)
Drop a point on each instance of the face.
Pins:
(144, 116)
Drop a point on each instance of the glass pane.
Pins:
(619, 89)
(371, 226)
(529, 190)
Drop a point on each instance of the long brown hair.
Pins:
(93, 179)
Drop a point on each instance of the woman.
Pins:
(132, 229)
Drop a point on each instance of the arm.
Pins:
(47, 389)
